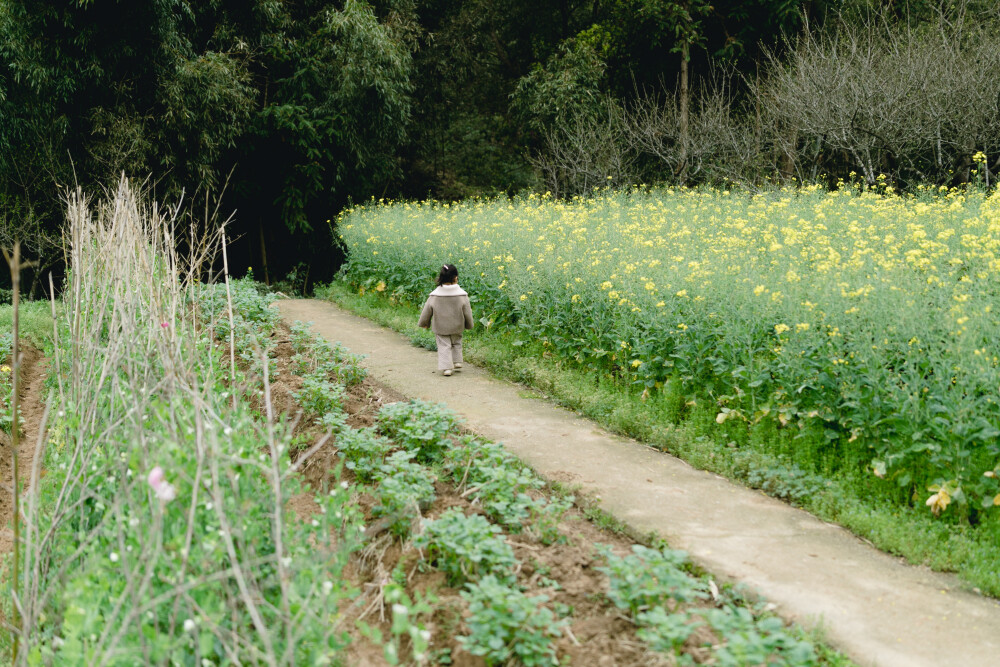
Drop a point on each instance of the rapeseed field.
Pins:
(868, 323)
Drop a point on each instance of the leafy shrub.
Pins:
(665, 632)
(649, 582)
(252, 310)
(789, 483)
(316, 356)
(404, 486)
(648, 578)
(335, 421)
(301, 336)
(419, 426)
(466, 547)
(319, 396)
(349, 371)
(364, 449)
(750, 641)
(6, 383)
(406, 626)
(501, 483)
(505, 625)
(302, 364)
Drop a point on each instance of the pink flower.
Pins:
(162, 488)
(165, 325)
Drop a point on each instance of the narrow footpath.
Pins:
(877, 609)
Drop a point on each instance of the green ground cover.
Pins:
(35, 319)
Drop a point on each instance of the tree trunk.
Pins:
(685, 101)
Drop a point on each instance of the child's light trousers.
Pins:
(449, 351)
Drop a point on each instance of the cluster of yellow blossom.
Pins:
(850, 281)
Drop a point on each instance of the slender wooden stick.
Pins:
(232, 334)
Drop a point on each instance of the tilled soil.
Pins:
(564, 571)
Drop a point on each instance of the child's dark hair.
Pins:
(447, 274)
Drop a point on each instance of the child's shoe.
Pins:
(446, 373)
(458, 365)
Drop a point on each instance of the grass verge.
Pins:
(756, 456)
(35, 320)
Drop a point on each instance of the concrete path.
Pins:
(875, 608)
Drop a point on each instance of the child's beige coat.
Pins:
(447, 311)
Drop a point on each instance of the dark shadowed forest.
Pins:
(284, 112)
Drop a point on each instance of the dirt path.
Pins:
(875, 608)
(32, 407)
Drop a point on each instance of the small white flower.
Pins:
(208, 506)
(399, 609)
(315, 523)
(227, 431)
(286, 561)
(114, 557)
(425, 635)
(361, 528)
(189, 625)
(166, 492)
(327, 587)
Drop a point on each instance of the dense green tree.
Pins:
(300, 106)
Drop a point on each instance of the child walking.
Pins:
(448, 314)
